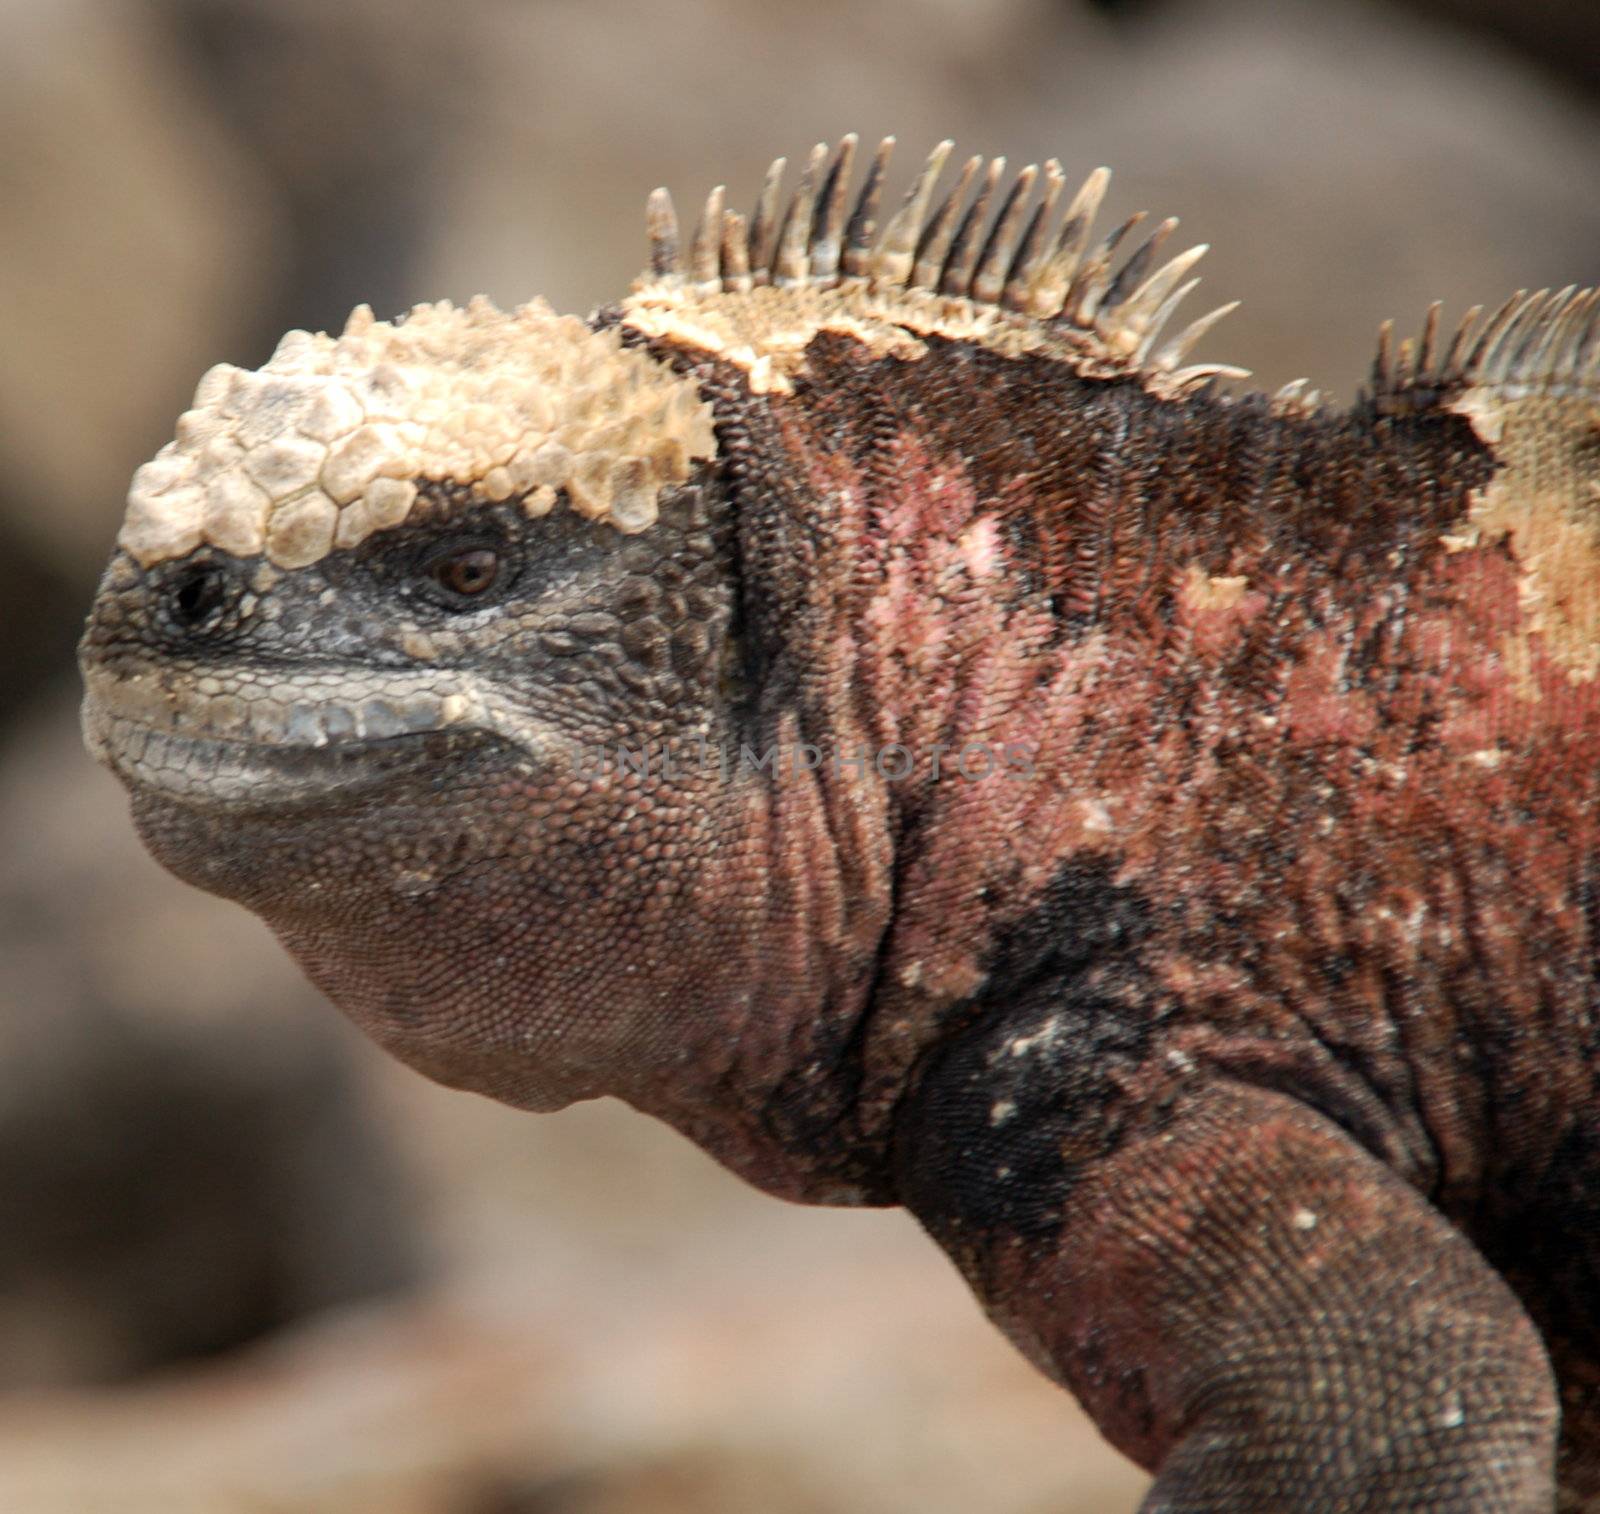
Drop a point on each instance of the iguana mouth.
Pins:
(254, 738)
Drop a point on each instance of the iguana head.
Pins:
(369, 612)
(471, 650)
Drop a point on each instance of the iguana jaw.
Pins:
(264, 738)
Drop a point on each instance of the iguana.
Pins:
(868, 700)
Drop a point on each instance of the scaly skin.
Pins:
(1211, 967)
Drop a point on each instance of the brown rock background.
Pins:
(247, 1265)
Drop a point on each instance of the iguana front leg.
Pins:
(1245, 1300)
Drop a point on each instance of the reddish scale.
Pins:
(1293, 779)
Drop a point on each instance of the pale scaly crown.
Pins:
(330, 441)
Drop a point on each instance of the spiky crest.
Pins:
(1542, 343)
(998, 277)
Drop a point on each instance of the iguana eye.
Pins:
(467, 575)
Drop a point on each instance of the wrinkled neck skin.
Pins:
(908, 646)
(517, 959)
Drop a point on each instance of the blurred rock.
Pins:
(185, 1160)
(342, 109)
(135, 237)
(585, 105)
(1562, 36)
(864, 1385)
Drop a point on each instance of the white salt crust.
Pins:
(329, 441)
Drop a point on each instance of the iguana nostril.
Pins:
(197, 594)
